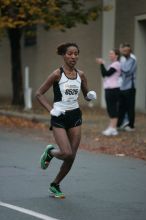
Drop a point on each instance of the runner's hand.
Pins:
(91, 95)
(56, 111)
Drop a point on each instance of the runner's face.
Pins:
(71, 56)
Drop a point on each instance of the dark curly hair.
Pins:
(61, 49)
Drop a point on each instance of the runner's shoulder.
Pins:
(80, 72)
(56, 73)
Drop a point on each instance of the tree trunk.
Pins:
(17, 79)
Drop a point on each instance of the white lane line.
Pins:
(27, 211)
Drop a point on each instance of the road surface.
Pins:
(99, 187)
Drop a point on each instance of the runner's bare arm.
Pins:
(84, 86)
(88, 95)
(45, 87)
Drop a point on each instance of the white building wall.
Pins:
(108, 36)
(140, 48)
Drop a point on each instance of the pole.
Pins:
(27, 90)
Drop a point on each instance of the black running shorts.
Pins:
(112, 101)
(68, 120)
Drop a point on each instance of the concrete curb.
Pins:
(28, 116)
(33, 117)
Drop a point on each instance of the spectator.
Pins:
(112, 89)
(127, 89)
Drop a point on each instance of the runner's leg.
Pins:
(64, 151)
(74, 136)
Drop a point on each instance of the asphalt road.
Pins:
(99, 187)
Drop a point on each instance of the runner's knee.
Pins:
(68, 155)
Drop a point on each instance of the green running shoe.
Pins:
(55, 191)
(46, 157)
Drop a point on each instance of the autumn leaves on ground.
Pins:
(131, 144)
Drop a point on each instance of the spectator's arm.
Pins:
(106, 72)
(130, 67)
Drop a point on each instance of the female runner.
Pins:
(66, 116)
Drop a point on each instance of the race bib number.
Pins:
(71, 91)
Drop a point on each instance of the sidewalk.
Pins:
(25, 115)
